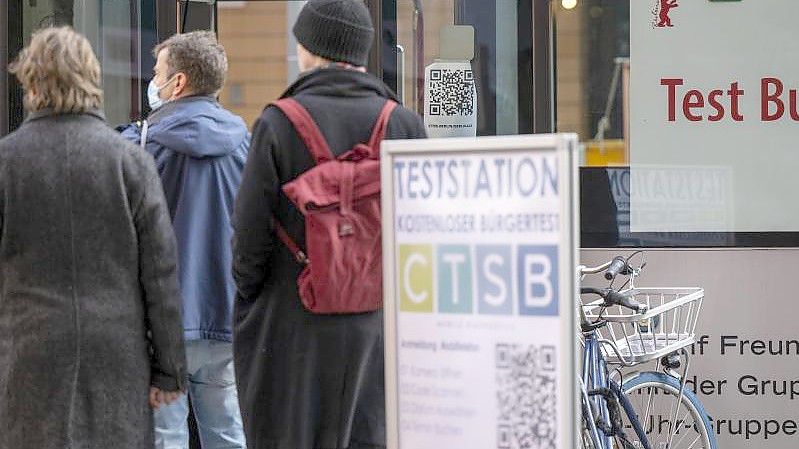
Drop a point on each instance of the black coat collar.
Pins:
(339, 82)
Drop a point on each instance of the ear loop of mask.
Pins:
(166, 83)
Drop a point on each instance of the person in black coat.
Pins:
(308, 381)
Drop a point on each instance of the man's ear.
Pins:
(181, 84)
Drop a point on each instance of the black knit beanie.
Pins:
(338, 30)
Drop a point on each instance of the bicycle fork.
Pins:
(601, 410)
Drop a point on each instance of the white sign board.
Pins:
(479, 247)
(714, 91)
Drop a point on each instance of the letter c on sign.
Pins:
(413, 259)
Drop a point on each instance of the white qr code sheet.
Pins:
(451, 92)
(450, 99)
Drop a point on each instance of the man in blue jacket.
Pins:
(200, 150)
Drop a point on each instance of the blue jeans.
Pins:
(212, 388)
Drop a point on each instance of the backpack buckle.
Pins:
(358, 153)
(345, 229)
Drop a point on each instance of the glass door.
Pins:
(261, 51)
(118, 31)
(469, 66)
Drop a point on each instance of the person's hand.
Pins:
(159, 397)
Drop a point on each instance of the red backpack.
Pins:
(340, 200)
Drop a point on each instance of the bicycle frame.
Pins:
(596, 376)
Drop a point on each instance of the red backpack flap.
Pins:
(320, 187)
(341, 204)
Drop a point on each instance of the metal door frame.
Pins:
(4, 109)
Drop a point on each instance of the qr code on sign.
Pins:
(527, 397)
(451, 92)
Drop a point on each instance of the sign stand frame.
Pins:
(565, 147)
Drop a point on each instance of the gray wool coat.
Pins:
(89, 300)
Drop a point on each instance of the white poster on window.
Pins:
(479, 256)
(714, 115)
(450, 99)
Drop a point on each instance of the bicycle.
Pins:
(625, 328)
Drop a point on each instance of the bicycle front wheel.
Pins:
(668, 422)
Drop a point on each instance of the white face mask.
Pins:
(154, 91)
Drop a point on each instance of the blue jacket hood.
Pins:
(198, 127)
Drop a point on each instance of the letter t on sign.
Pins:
(672, 83)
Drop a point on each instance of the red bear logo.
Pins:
(663, 12)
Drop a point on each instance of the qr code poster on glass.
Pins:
(450, 100)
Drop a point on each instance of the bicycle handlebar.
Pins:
(614, 298)
(627, 301)
(617, 265)
(593, 270)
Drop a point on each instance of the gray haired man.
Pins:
(200, 149)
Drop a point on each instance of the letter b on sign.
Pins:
(538, 280)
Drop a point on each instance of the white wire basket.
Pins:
(669, 324)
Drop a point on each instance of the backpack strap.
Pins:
(290, 243)
(317, 145)
(145, 126)
(306, 128)
(381, 125)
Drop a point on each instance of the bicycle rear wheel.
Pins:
(653, 398)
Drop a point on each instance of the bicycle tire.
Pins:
(670, 386)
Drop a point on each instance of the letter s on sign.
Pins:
(502, 295)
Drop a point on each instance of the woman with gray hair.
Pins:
(90, 334)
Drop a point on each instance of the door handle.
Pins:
(401, 73)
